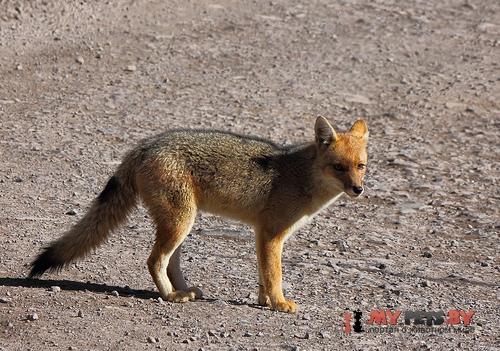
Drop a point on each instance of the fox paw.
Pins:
(190, 294)
(264, 300)
(285, 306)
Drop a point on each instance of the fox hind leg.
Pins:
(176, 277)
(173, 211)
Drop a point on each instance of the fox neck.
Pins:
(319, 193)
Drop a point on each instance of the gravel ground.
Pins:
(82, 82)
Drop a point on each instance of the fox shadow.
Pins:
(71, 285)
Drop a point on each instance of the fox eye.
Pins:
(338, 167)
(361, 166)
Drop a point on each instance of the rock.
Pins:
(427, 254)
(18, 179)
(381, 266)
(71, 212)
(5, 300)
(80, 313)
(152, 340)
(55, 289)
(80, 60)
(324, 334)
(342, 245)
(487, 27)
(32, 317)
(19, 67)
(131, 68)
(425, 284)
(115, 293)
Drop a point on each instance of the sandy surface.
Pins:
(81, 82)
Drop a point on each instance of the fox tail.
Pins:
(106, 213)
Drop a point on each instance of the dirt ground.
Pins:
(82, 81)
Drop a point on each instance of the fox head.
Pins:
(342, 156)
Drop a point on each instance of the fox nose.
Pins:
(357, 189)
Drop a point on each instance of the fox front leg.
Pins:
(269, 249)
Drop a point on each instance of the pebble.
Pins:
(80, 313)
(18, 179)
(32, 317)
(115, 293)
(131, 68)
(4, 300)
(152, 340)
(247, 334)
(324, 334)
(55, 288)
(80, 60)
(342, 245)
(427, 254)
(71, 212)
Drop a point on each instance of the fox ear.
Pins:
(325, 134)
(359, 129)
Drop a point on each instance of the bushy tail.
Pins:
(108, 210)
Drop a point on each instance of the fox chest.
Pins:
(313, 211)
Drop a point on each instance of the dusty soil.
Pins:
(81, 82)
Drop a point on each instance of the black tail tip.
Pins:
(45, 261)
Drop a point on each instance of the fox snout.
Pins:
(357, 190)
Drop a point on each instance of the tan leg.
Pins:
(175, 275)
(263, 297)
(269, 248)
(174, 217)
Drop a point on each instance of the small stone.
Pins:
(55, 289)
(4, 300)
(32, 317)
(71, 212)
(324, 334)
(18, 179)
(381, 266)
(185, 341)
(131, 68)
(80, 60)
(211, 333)
(247, 334)
(160, 300)
(71, 348)
(19, 67)
(306, 317)
(484, 264)
(427, 254)
(10, 325)
(260, 334)
(80, 313)
(342, 245)
(152, 340)
(115, 293)
(425, 284)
